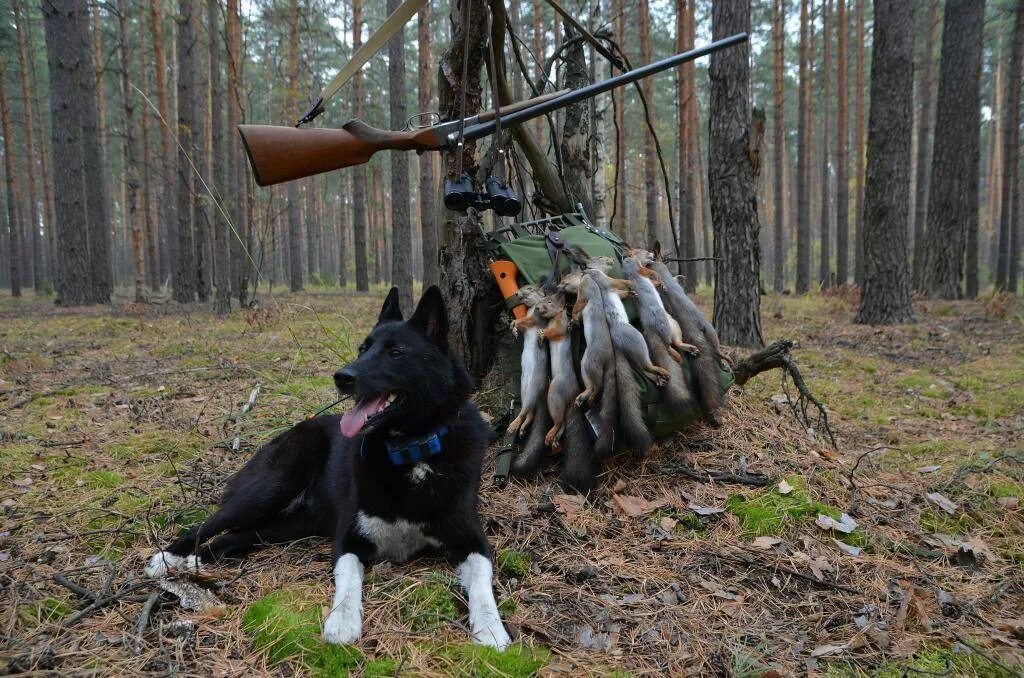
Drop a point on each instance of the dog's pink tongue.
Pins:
(354, 420)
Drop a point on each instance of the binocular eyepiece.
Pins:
(459, 196)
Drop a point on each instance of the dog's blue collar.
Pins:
(403, 451)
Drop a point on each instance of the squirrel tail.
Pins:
(675, 393)
(631, 421)
(534, 449)
(578, 458)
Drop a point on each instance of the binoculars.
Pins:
(459, 196)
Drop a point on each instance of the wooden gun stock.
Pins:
(279, 154)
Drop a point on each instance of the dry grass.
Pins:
(117, 426)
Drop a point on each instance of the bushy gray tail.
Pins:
(534, 449)
(607, 414)
(578, 453)
(634, 431)
(676, 393)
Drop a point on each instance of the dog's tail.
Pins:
(631, 420)
(578, 453)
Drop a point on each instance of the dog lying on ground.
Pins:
(396, 475)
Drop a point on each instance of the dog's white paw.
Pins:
(164, 562)
(492, 634)
(344, 625)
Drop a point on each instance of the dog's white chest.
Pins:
(396, 540)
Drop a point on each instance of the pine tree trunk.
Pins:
(859, 147)
(466, 280)
(38, 271)
(842, 144)
(994, 174)
(93, 131)
(359, 172)
(294, 209)
(428, 178)
(924, 131)
(168, 152)
(953, 193)
(687, 238)
(241, 239)
(401, 220)
(345, 190)
(133, 184)
(16, 253)
(67, 55)
(149, 200)
(618, 117)
(886, 290)
(49, 210)
(576, 128)
(184, 282)
(803, 198)
(732, 183)
(1009, 214)
(221, 261)
(778, 240)
(653, 230)
(825, 241)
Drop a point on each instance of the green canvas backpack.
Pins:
(526, 247)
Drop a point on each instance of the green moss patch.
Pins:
(770, 513)
(514, 563)
(287, 628)
(102, 479)
(42, 611)
(430, 604)
(518, 661)
(933, 661)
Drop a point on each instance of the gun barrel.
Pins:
(484, 129)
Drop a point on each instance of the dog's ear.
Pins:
(390, 310)
(431, 317)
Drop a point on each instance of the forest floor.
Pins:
(116, 429)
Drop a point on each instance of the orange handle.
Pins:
(505, 275)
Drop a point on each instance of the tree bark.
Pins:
(859, 148)
(401, 221)
(732, 184)
(168, 152)
(93, 131)
(221, 261)
(1009, 200)
(241, 238)
(359, 172)
(803, 198)
(149, 199)
(428, 177)
(825, 240)
(576, 127)
(618, 118)
(184, 282)
(924, 132)
(843, 142)
(67, 55)
(687, 214)
(131, 154)
(653, 231)
(778, 49)
(886, 291)
(38, 272)
(466, 281)
(49, 236)
(294, 209)
(954, 173)
(16, 253)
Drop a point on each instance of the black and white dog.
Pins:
(396, 475)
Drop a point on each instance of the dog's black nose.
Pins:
(345, 379)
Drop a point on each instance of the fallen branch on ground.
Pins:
(712, 475)
(778, 356)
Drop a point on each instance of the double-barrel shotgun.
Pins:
(279, 153)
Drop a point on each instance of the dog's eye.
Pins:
(362, 348)
(395, 352)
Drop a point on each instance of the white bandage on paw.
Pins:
(344, 625)
(484, 621)
(164, 562)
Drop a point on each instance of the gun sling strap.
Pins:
(399, 18)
